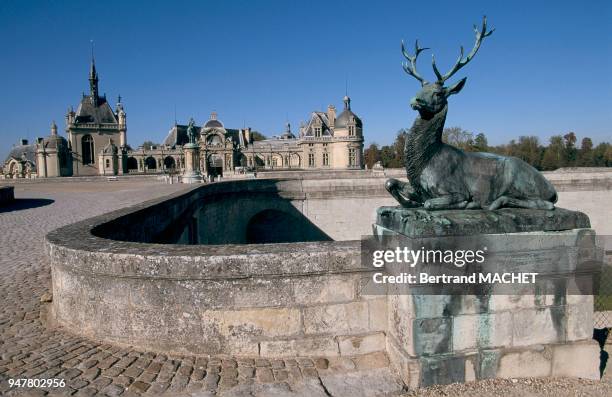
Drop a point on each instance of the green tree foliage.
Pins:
(480, 143)
(257, 136)
(560, 152)
(147, 145)
(554, 154)
(459, 138)
(371, 155)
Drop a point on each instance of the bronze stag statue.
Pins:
(442, 176)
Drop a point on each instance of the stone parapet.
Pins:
(112, 281)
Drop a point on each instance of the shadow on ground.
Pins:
(24, 204)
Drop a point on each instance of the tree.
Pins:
(585, 154)
(148, 145)
(458, 137)
(257, 136)
(372, 155)
(571, 153)
(602, 155)
(528, 149)
(554, 154)
(480, 143)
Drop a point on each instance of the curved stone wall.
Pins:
(112, 281)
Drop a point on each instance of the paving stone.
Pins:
(113, 390)
(309, 372)
(281, 375)
(78, 383)
(91, 373)
(107, 362)
(133, 371)
(139, 386)
(87, 392)
(264, 374)
(262, 362)
(198, 374)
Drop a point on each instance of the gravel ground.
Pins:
(553, 387)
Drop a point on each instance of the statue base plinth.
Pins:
(193, 177)
(519, 330)
(416, 222)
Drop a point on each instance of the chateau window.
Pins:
(325, 145)
(351, 130)
(311, 144)
(325, 159)
(311, 159)
(87, 149)
(107, 163)
(352, 157)
(274, 162)
(317, 132)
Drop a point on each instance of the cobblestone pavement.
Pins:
(29, 350)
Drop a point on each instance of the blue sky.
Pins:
(546, 69)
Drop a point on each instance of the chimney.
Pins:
(331, 115)
(247, 133)
(24, 142)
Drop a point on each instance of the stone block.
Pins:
(432, 335)
(327, 289)
(378, 313)
(406, 368)
(529, 363)
(400, 320)
(255, 324)
(442, 370)
(579, 360)
(354, 345)
(337, 319)
(303, 346)
(579, 321)
(482, 330)
(538, 326)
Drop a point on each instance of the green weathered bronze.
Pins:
(442, 176)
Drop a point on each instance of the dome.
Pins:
(54, 142)
(213, 122)
(345, 118)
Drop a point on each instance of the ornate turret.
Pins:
(53, 128)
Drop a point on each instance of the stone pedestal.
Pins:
(192, 164)
(505, 331)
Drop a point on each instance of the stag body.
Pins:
(444, 177)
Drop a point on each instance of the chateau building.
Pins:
(96, 144)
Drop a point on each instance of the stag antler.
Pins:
(480, 35)
(411, 69)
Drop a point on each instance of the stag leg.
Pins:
(505, 201)
(449, 202)
(402, 192)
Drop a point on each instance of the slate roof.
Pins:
(343, 119)
(87, 112)
(18, 151)
(318, 116)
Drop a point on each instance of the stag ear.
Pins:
(454, 89)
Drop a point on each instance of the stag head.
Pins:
(433, 97)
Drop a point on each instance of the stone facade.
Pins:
(325, 142)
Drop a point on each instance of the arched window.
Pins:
(87, 149)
